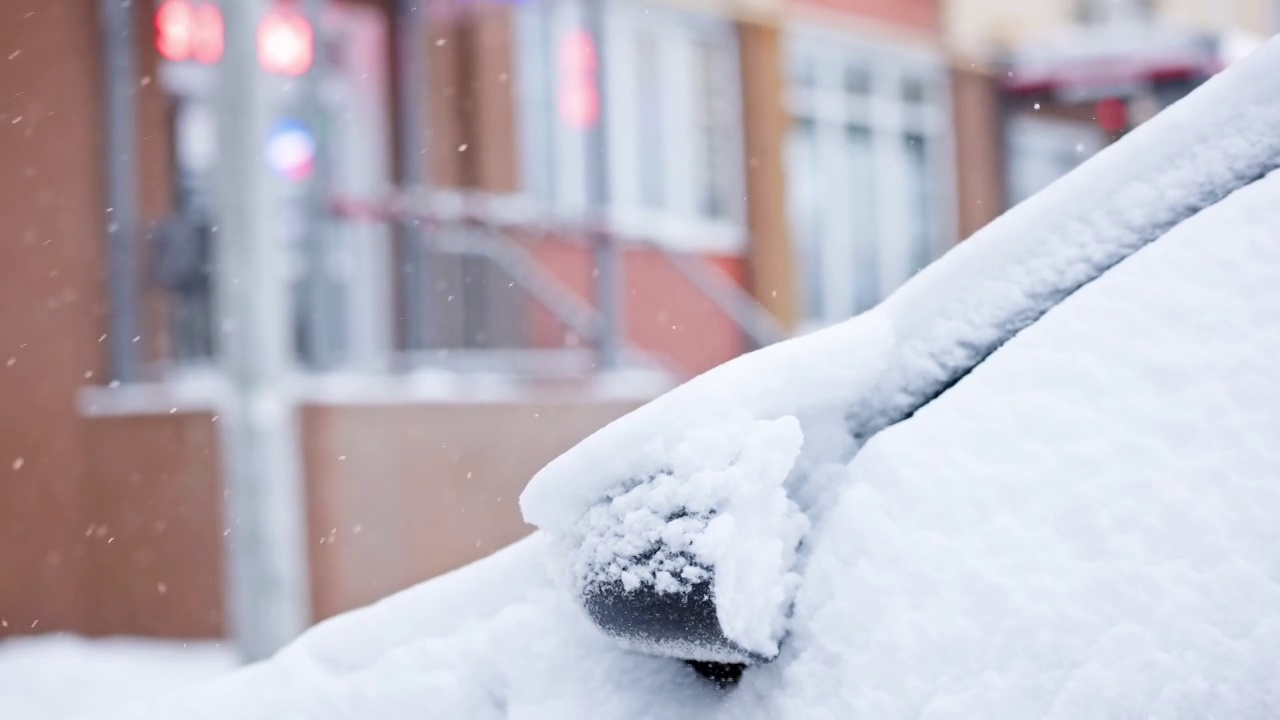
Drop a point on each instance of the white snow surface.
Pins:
(1086, 525)
(50, 677)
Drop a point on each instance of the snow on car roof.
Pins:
(1082, 526)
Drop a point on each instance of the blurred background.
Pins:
(298, 295)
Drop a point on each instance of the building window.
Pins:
(868, 171)
(1103, 12)
(673, 123)
(349, 325)
(1043, 149)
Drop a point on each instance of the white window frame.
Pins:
(832, 110)
(553, 154)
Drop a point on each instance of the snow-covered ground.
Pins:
(1086, 525)
(50, 677)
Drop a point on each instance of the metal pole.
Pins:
(267, 574)
(608, 259)
(320, 313)
(120, 80)
(411, 129)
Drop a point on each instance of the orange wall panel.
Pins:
(765, 125)
(979, 175)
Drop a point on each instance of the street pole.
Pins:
(120, 80)
(608, 260)
(267, 588)
(320, 314)
(411, 129)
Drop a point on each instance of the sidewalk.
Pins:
(49, 677)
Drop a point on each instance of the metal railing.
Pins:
(504, 216)
(485, 294)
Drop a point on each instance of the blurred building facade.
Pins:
(1063, 78)
(772, 166)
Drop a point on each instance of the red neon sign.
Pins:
(185, 31)
(579, 93)
(209, 33)
(174, 23)
(1112, 114)
(285, 43)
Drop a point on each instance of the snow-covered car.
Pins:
(1042, 480)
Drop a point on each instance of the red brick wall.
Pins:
(155, 523)
(51, 303)
(665, 314)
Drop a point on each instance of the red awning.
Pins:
(1090, 67)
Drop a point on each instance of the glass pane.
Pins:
(804, 184)
(715, 118)
(921, 216)
(857, 79)
(1042, 150)
(650, 109)
(913, 90)
(537, 107)
(803, 71)
(863, 218)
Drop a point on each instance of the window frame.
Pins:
(552, 155)
(816, 61)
